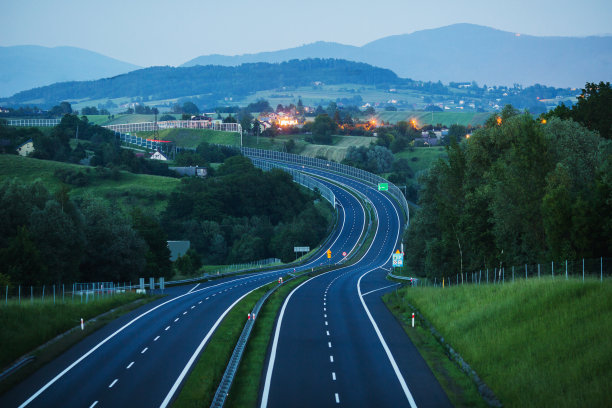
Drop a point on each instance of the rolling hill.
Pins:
(210, 82)
(30, 66)
(463, 52)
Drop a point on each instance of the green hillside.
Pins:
(433, 118)
(538, 343)
(129, 191)
(191, 138)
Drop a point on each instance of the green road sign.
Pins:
(383, 186)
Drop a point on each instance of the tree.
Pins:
(158, 253)
(322, 129)
(594, 108)
(190, 108)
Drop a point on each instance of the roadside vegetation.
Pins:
(50, 320)
(533, 342)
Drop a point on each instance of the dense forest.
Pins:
(216, 81)
(48, 238)
(244, 214)
(519, 190)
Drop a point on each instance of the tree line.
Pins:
(519, 190)
(47, 238)
(243, 214)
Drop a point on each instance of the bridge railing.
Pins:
(350, 171)
(34, 122)
(300, 178)
(174, 124)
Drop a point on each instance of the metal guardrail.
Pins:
(234, 363)
(300, 178)
(350, 171)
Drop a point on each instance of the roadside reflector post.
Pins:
(412, 319)
(82, 325)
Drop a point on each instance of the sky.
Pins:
(154, 32)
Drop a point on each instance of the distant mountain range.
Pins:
(30, 66)
(463, 52)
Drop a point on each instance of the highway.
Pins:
(142, 358)
(336, 344)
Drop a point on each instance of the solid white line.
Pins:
(113, 383)
(129, 365)
(100, 344)
(334, 376)
(144, 350)
(155, 339)
(94, 404)
(376, 290)
(266, 390)
(196, 353)
(192, 289)
(337, 399)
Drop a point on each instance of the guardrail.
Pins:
(350, 171)
(300, 178)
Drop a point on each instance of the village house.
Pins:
(26, 148)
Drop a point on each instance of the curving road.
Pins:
(142, 358)
(336, 344)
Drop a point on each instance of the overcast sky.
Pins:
(156, 32)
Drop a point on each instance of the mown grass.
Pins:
(537, 342)
(130, 191)
(191, 138)
(443, 118)
(28, 325)
(422, 158)
(200, 387)
(245, 389)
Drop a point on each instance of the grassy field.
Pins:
(534, 343)
(191, 138)
(17, 337)
(131, 190)
(201, 385)
(422, 158)
(433, 118)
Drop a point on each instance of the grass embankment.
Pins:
(444, 118)
(191, 138)
(422, 158)
(147, 192)
(17, 336)
(200, 387)
(534, 343)
(245, 389)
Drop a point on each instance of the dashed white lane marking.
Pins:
(94, 404)
(325, 316)
(327, 332)
(337, 398)
(329, 344)
(176, 320)
(214, 294)
(333, 376)
(155, 339)
(184, 313)
(325, 309)
(113, 383)
(129, 365)
(193, 307)
(331, 359)
(326, 323)
(167, 328)
(144, 350)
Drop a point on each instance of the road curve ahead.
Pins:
(335, 343)
(142, 358)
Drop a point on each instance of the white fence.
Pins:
(34, 122)
(175, 124)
